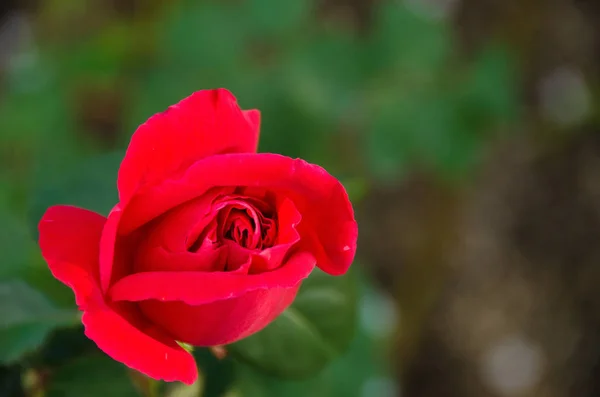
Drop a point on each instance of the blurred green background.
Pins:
(465, 131)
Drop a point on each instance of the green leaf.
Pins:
(349, 376)
(343, 378)
(218, 375)
(26, 317)
(91, 185)
(316, 329)
(64, 345)
(91, 376)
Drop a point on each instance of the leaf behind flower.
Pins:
(26, 317)
(316, 329)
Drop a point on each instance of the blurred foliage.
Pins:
(27, 317)
(92, 375)
(347, 376)
(90, 185)
(367, 105)
(315, 329)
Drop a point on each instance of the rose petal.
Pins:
(69, 240)
(221, 322)
(108, 242)
(206, 123)
(179, 229)
(237, 258)
(288, 219)
(159, 259)
(148, 350)
(253, 117)
(197, 288)
(328, 227)
(181, 240)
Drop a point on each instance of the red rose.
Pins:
(208, 244)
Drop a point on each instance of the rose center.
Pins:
(246, 222)
(240, 227)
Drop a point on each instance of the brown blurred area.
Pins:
(498, 280)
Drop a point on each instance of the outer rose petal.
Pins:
(69, 240)
(108, 242)
(206, 123)
(146, 348)
(328, 227)
(221, 322)
(253, 117)
(198, 288)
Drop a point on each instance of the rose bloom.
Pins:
(208, 244)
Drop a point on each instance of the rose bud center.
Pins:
(225, 230)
